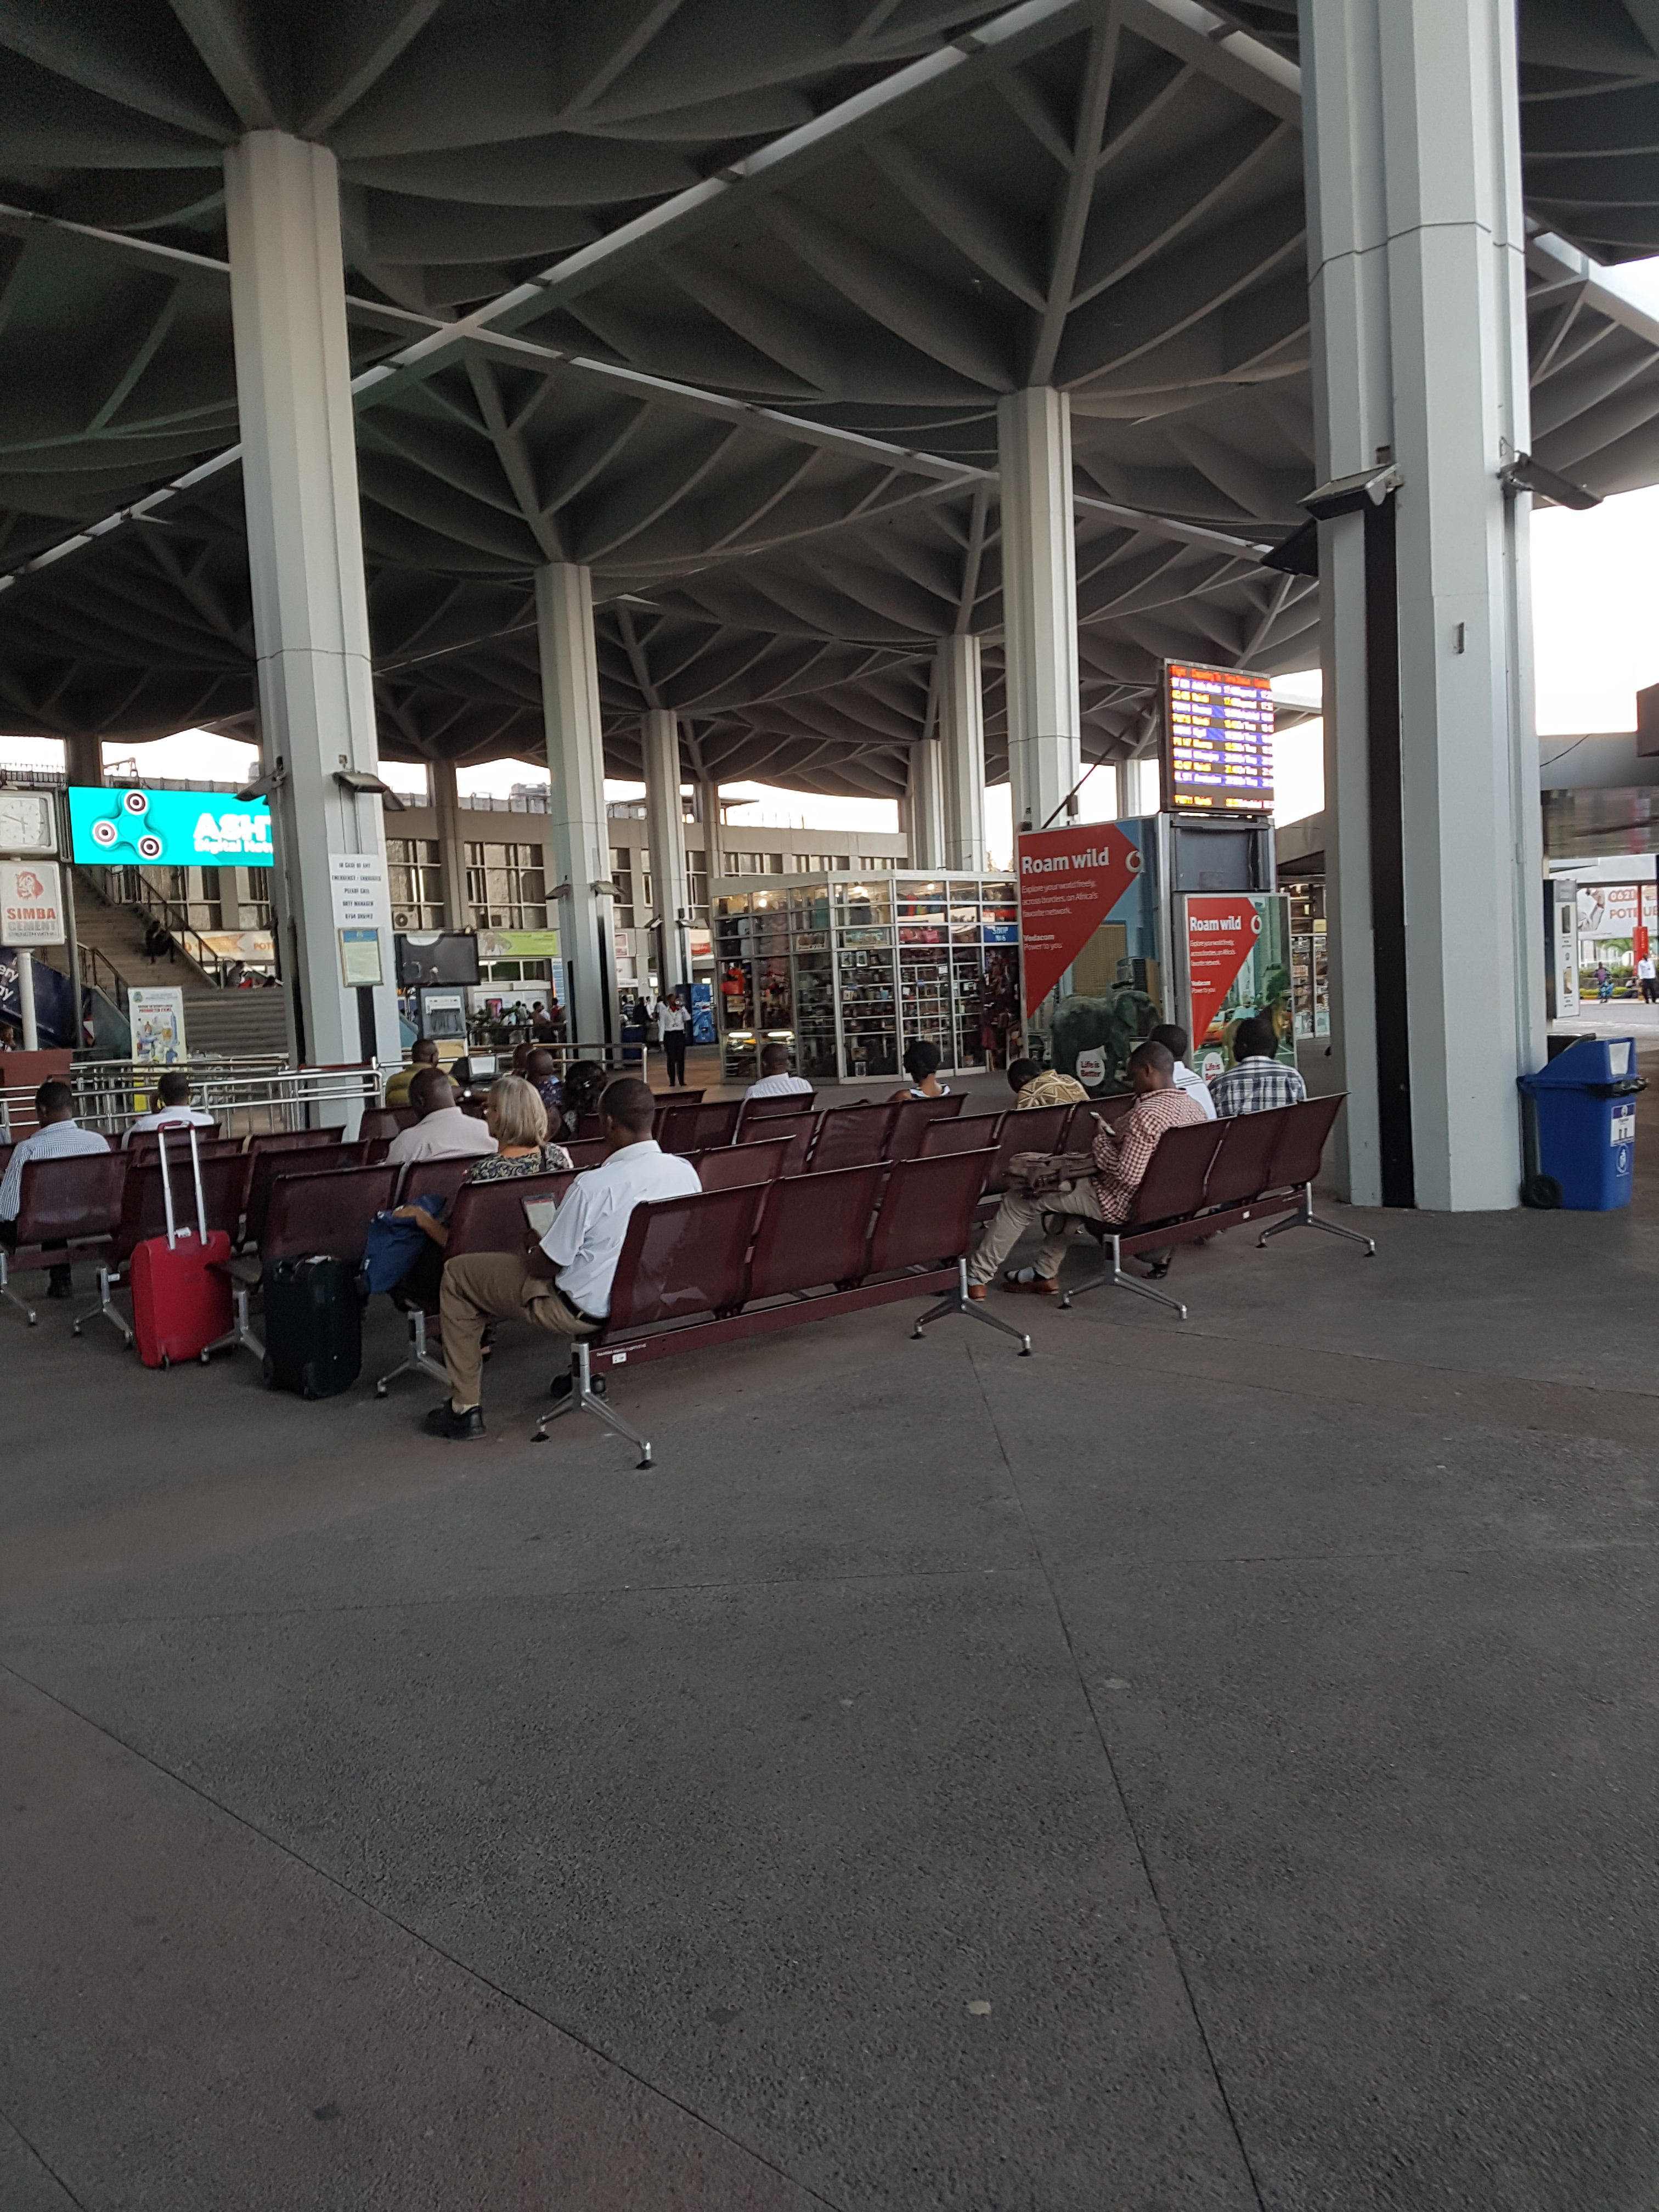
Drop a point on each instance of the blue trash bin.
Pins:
(1581, 1115)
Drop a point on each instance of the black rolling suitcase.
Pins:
(313, 1325)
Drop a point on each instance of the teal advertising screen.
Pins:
(120, 826)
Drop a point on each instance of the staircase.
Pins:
(215, 1020)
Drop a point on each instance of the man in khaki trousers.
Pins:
(561, 1284)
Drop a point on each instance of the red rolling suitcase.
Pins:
(181, 1292)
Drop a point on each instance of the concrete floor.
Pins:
(1203, 1767)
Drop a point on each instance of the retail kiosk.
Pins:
(848, 968)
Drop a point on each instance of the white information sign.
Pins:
(31, 902)
(360, 889)
(27, 824)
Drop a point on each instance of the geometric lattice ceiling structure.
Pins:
(719, 298)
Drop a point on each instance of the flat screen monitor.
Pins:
(429, 956)
(1217, 740)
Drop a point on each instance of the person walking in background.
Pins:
(1648, 977)
(1603, 981)
(673, 1026)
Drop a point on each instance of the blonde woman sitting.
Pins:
(516, 1118)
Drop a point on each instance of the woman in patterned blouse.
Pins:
(516, 1118)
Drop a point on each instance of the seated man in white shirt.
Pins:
(563, 1286)
(776, 1080)
(1174, 1041)
(174, 1111)
(443, 1131)
(59, 1137)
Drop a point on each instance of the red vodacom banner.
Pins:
(1069, 882)
(1221, 934)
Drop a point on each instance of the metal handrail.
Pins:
(91, 961)
(155, 902)
(246, 1093)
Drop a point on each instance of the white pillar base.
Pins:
(578, 833)
(664, 825)
(960, 692)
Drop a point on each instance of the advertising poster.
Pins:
(1088, 944)
(31, 902)
(157, 1018)
(1237, 949)
(125, 827)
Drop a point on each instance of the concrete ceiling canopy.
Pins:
(785, 261)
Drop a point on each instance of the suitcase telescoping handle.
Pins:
(166, 1186)
(196, 1170)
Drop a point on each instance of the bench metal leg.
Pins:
(1115, 1276)
(1305, 1218)
(958, 1302)
(106, 1307)
(10, 1295)
(239, 1335)
(417, 1360)
(584, 1399)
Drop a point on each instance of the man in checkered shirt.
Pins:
(1258, 1081)
(1122, 1156)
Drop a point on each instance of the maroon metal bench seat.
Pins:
(730, 1166)
(64, 1205)
(143, 1214)
(968, 1132)
(726, 1264)
(1037, 1129)
(1220, 1174)
(483, 1217)
(783, 1109)
(325, 1213)
(697, 1128)
(850, 1137)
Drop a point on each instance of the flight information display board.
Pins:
(1217, 740)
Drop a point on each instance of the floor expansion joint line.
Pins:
(508, 1996)
(1130, 1823)
(53, 1624)
(50, 2172)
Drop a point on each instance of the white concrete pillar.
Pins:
(578, 831)
(305, 561)
(924, 807)
(451, 845)
(709, 813)
(665, 829)
(959, 690)
(1039, 603)
(1137, 791)
(1420, 363)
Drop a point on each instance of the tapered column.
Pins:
(305, 564)
(1420, 365)
(664, 825)
(959, 689)
(451, 848)
(924, 803)
(1039, 603)
(83, 758)
(578, 831)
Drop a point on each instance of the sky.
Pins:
(1595, 616)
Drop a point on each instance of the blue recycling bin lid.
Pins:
(1593, 1063)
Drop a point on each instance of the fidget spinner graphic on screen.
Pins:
(123, 832)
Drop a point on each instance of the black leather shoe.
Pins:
(461, 1428)
(58, 1285)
